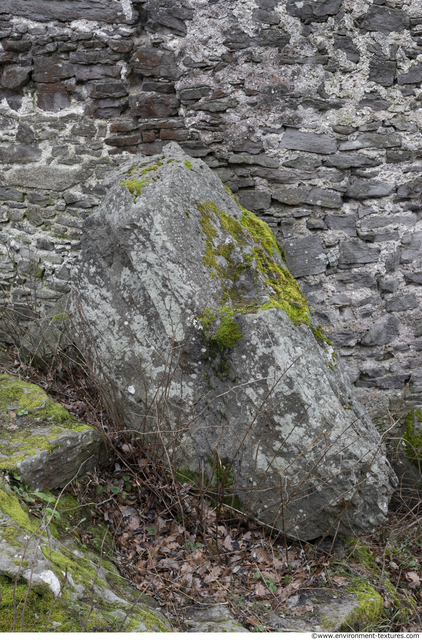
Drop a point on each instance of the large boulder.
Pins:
(186, 303)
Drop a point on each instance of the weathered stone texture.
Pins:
(148, 279)
(309, 112)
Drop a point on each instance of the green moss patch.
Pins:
(29, 421)
(232, 247)
(413, 438)
(370, 609)
(137, 179)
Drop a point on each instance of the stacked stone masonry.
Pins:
(310, 111)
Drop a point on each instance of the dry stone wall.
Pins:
(309, 110)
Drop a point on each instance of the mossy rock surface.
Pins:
(190, 304)
(39, 439)
(59, 577)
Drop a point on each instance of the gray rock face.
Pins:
(356, 253)
(312, 142)
(384, 331)
(174, 272)
(385, 19)
(305, 256)
(104, 10)
(42, 443)
(363, 189)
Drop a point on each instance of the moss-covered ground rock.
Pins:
(205, 332)
(39, 440)
(54, 583)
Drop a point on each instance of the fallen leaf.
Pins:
(340, 581)
(127, 448)
(227, 544)
(302, 609)
(387, 604)
(393, 565)
(12, 415)
(260, 590)
(134, 522)
(12, 427)
(413, 578)
(213, 575)
(262, 556)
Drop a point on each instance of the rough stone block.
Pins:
(67, 10)
(151, 105)
(310, 11)
(356, 252)
(385, 19)
(155, 62)
(413, 76)
(375, 140)
(412, 189)
(412, 278)
(20, 154)
(15, 76)
(384, 331)
(356, 281)
(374, 101)
(52, 69)
(49, 178)
(402, 303)
(342, 223)
(254, 200)
(362, 189)
(305, 256)
(343, 338)
(345, 43)
(312, 142)
(324, 198)
(52, 97)
(291, 196)
(382, 72)
(346, 161)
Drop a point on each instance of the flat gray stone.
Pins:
(385, 19)
(51, 177)
(375, 222)
(382, 72)
(356, 252)
(412, 189)
(256, 200)
(324, 198)
(348, 161)
(363, 189)
(342, 223)
(413, 76)
(305, 256)
(383, 332)
(292, 195)
(217, 619)
(372, 140)
(312, 142)
(67, 10)
(20, 154)
(402, 303)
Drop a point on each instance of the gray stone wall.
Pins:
(310, 111)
